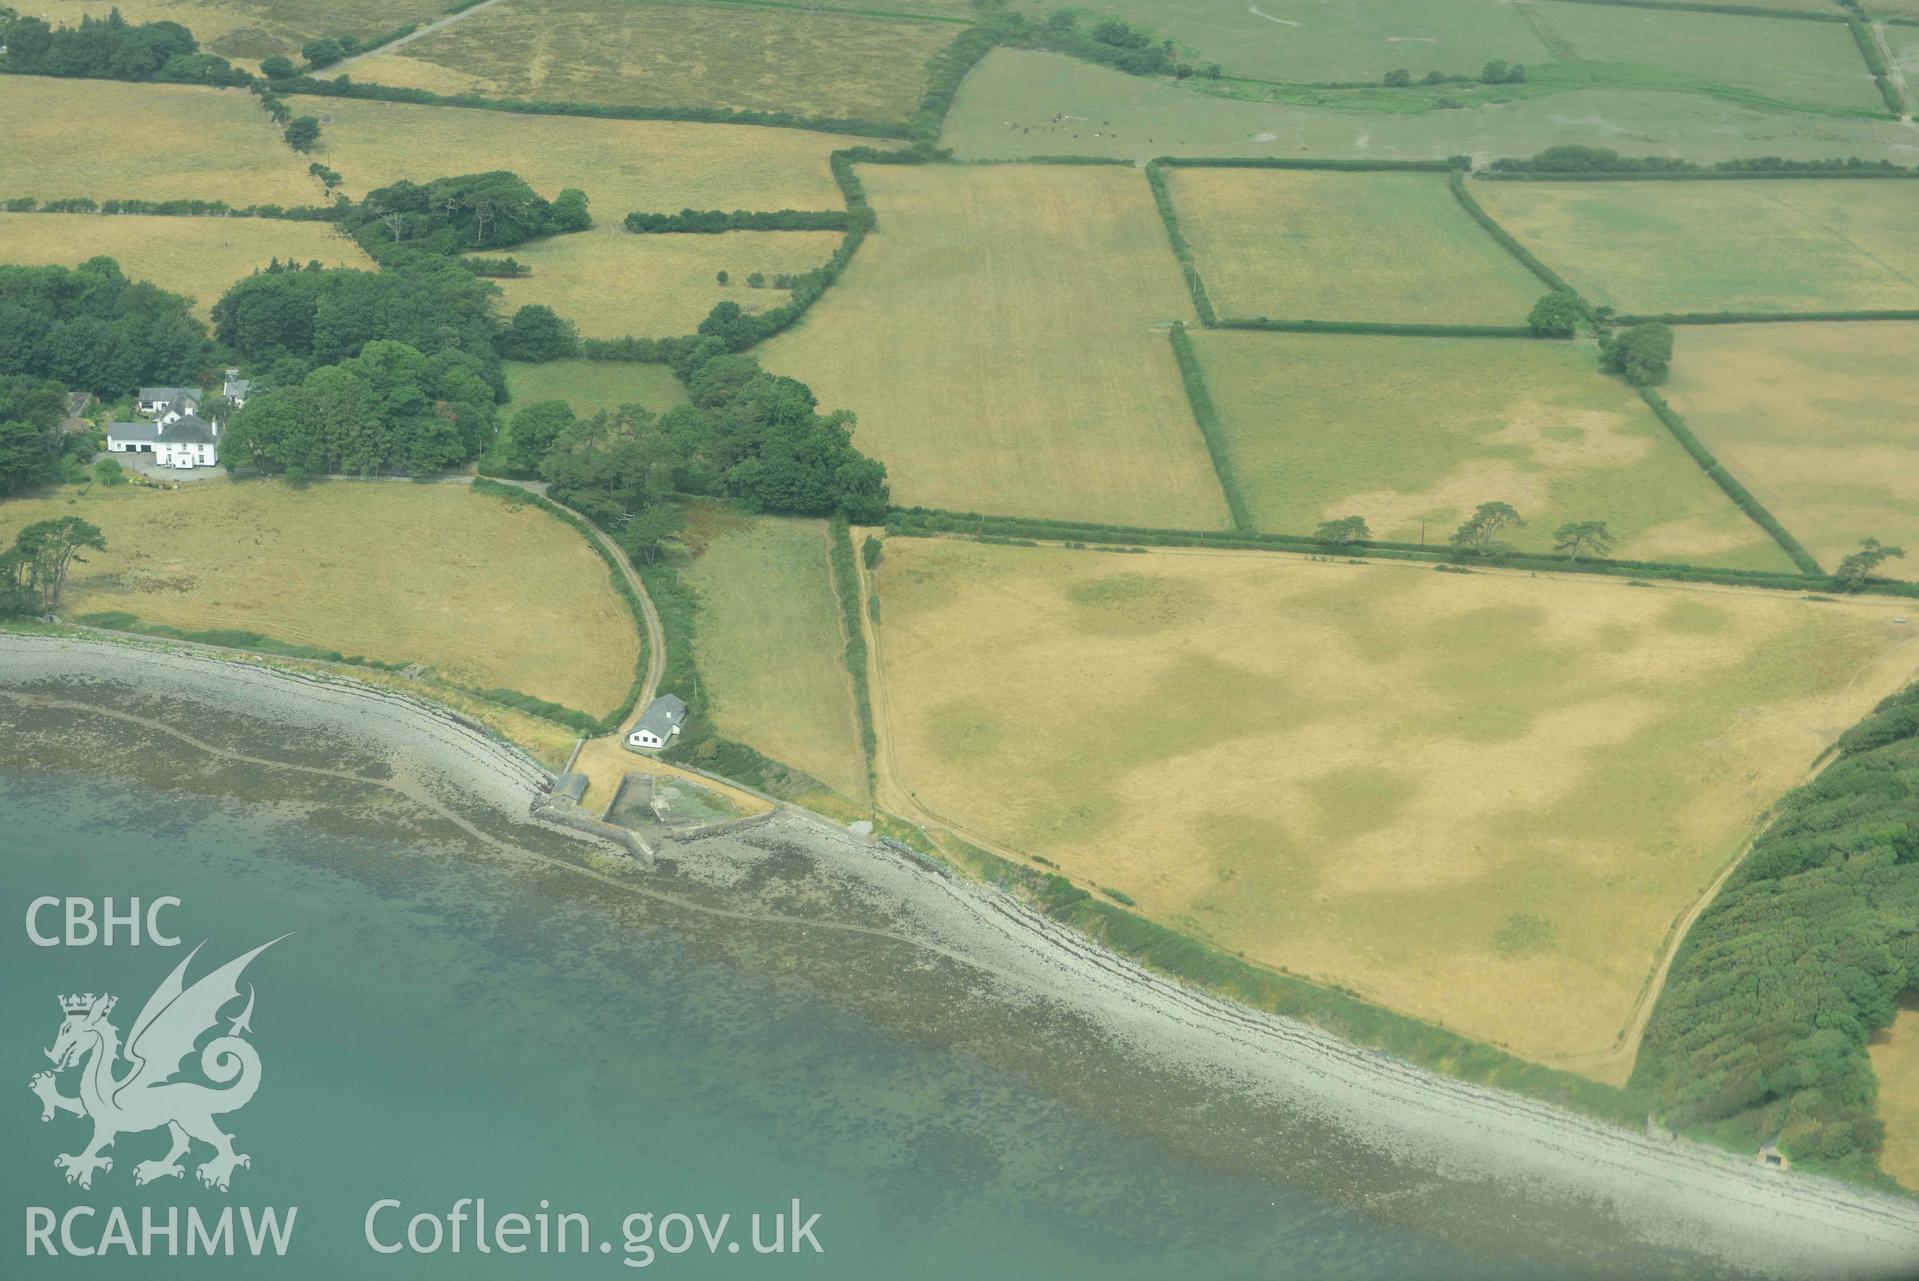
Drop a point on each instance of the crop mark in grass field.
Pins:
(249, 30)
(488, 595)
(613, 284)
(1820, 421)
(643, 53)
(1811, 63)
(1413, 433)
(198, 257)
(1766, 246)
(1387, 247)
(1021, 370)
(72, 138)
(592, 385)
(763, 586)
(1479, 799)
(622, 165)
(1333, 40)
(1019, 103)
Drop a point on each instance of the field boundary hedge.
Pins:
(1266, 324)
(1554, 281)
(170, 208)
(933, 522)
(1207, 416)
(613, 720)
(846, 586)
(715, 221)
(1742, 497)
(1338, 166)
(1876, 64)
(1740, 10)
(698, 115)
(1182, 251)
(1760, 318)
(1687, 175)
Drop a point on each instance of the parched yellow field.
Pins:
(198, 257)
(770, 645)
(1820, 421)
(248, 30)
(622, 165)
(1413, 433)
(1895, 1061)
(623, 52)
(1769, 245)
(1022, 369)
(1479, 799)
(113, 141)
(484, 594)
(1305, 245)
(612, 283)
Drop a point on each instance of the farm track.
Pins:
(411, 36)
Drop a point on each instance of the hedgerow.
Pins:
(1207, 416)
(714, 221)
(846, 584)
(1183, 252)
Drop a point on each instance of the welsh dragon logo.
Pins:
(145, 1096)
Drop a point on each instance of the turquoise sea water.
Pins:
(437, 1028)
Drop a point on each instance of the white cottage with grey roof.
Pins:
(657, 724)
(183, 440)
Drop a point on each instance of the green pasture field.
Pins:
(1781, 59)
(1001, 339)
(770, 643)
(1820, 422)
(1018, 103)
(249, 30)
(1319, 41)
(592, 385)
(1299, 245)
(200, 258)
(72, 138)
(622, 165)
(1766, 246)
(612, 283)
(639, 53)
(1478, 799)
(1413, 433)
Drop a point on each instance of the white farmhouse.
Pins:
(657, 724)
(176, 436)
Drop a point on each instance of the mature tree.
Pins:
(1556, 315)
(1347, 529)
(278, 67)
(569, 211)
(532, 433)
(642, 533)
(1398, 78)
(302, 132)
(109, 473)
(721, 276)
(30, 411)
(1495, 73)
(323, 52)
(1855, 569)
(1641, 355)
(1579, 538)
(47, 550)
(1480, 531)
(538, 333)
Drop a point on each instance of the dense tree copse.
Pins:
(91, 328)
(111, 48)
(313, 315)
(464, 214)
(391, 408)
(1762, 1027)
(30, 413)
